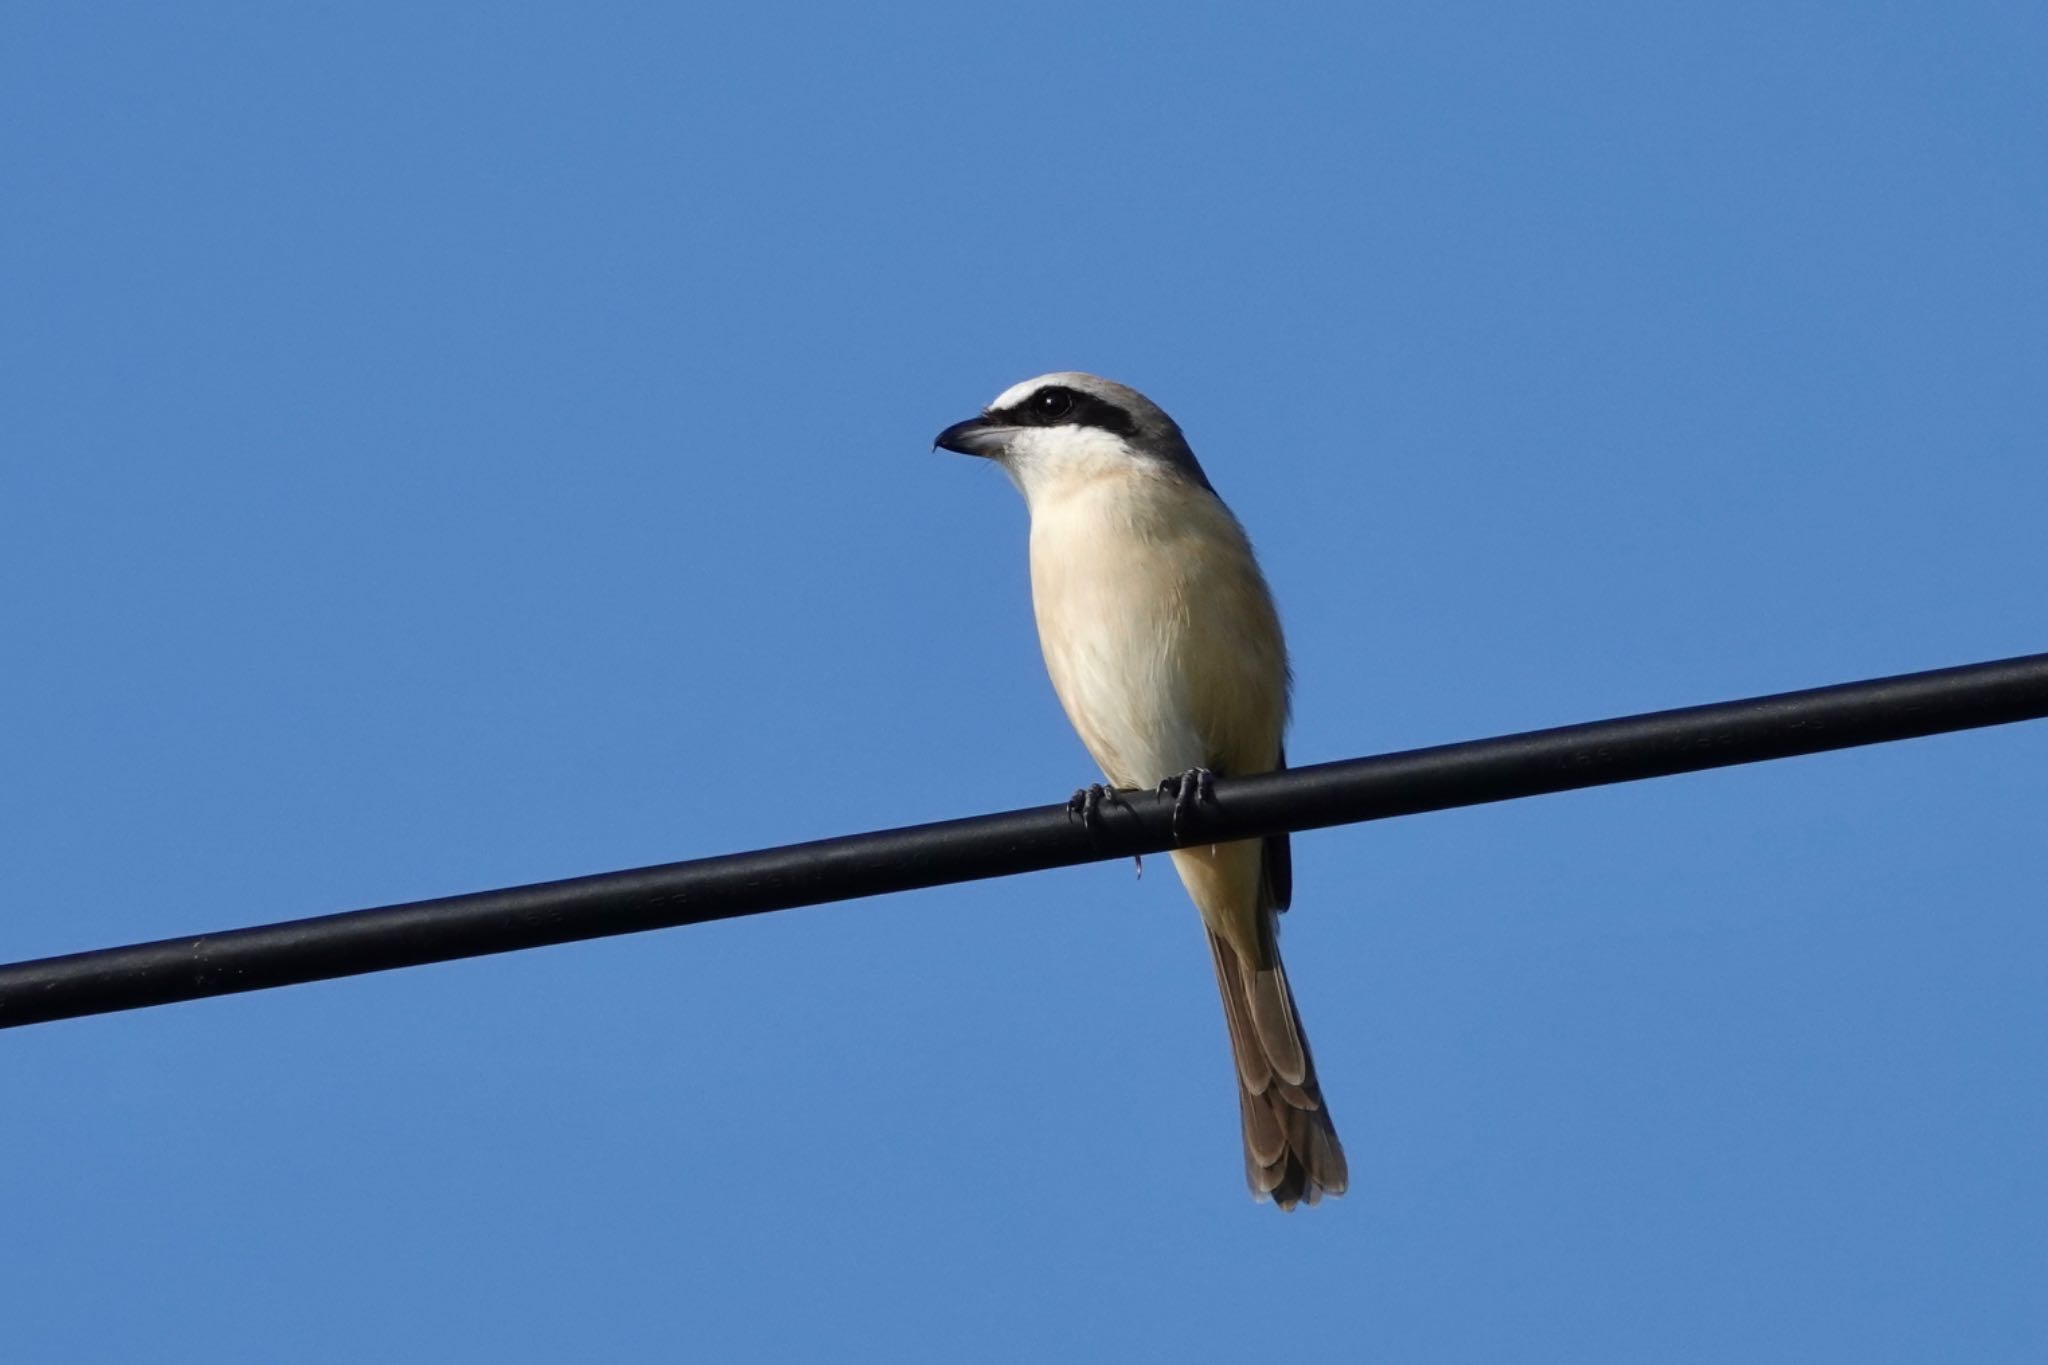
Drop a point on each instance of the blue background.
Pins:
(448, 447)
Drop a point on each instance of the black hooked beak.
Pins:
(975, 436)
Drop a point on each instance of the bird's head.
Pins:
(1070, 424)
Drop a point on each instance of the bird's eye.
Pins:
(1052, 404)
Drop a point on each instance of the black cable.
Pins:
(1624, 750)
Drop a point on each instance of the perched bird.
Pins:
(1164, 646)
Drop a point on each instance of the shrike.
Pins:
(1163, 644)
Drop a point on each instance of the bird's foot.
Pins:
(1188, 790)
(1087, 804)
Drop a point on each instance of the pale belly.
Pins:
(1158, 632)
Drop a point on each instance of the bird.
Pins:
(1164, 646)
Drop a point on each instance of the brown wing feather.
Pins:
(1276, 868)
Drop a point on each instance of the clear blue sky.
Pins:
(448, 447)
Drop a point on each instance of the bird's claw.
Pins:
(1188, 790)
(1087, 803)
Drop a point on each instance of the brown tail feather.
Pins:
(1291, 1152)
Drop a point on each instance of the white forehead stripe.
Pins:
(1017, 393)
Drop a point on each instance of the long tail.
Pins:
(1291, 1152)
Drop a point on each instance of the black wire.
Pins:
(1624, 750)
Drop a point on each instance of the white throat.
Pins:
(1046, 461)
